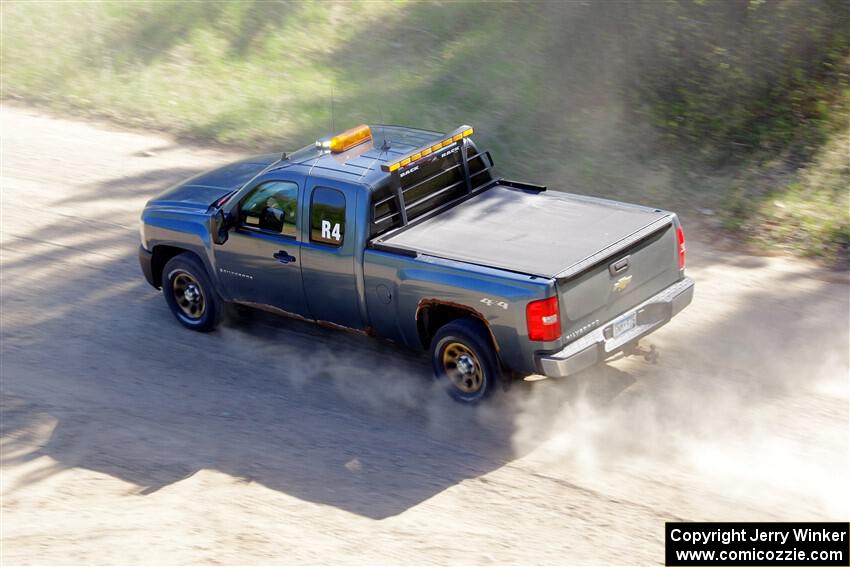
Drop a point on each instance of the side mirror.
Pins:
(220, 226)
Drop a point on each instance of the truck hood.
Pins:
(204, 189)
(549, 234)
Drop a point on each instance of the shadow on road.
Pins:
(349, 424)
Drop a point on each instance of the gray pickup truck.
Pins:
(406, 234)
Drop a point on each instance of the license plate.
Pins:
(625, 324)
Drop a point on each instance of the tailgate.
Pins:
(613, 284)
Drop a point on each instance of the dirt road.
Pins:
(128, 439)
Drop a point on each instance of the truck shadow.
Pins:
(322, 416)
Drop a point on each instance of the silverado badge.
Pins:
(622, 283)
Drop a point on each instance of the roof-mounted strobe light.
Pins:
(350, 138)
(456, 136)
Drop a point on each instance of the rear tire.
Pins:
(190, 294)
(465, 361)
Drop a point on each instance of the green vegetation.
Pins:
(736, 106)
(806, 211)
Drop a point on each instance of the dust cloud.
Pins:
(762, 434)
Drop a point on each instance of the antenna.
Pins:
(384, 145)
(333, 128)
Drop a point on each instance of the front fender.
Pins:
(190, 231)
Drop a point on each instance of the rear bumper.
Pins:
(146, 262)
(599, 344)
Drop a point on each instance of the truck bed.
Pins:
(546, 234)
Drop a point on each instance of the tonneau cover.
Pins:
(543, 234)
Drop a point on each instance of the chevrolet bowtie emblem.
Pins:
(622, 283)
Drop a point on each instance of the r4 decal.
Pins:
(328, 232)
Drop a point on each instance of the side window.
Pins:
(327, 216)
(272, 207)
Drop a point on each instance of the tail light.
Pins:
(544, 319)
(680, 240)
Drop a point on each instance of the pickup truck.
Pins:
(407, 234)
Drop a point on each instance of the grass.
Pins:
(805, 211)
(731, 106)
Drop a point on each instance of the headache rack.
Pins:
(429, 180)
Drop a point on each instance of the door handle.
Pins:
(283, 257)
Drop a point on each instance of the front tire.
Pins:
(465, 361)
(189, 293)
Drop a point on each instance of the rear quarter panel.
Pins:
(497, 296)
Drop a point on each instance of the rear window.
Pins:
(428, 186)
(327, 216)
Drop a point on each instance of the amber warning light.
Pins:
(350, 138)
(456, 136)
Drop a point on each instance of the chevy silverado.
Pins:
(407, 234)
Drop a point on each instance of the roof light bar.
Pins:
(456, 136)
(350, 138)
